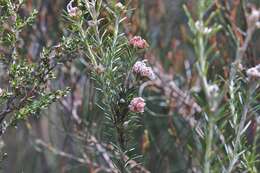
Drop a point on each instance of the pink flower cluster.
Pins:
(138, 42)
(141, 69)
(73, 11)
(137, 105)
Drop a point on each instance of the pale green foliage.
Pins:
(231, 131)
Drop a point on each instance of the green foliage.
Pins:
(109, 58)
(200, 121)
(226, 123)
(27, 92)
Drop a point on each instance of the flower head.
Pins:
(141, 69)
(138, 42)
(120, 6)
(148, 72)
(202, 28)
(137, 105)
(73, 11)
(138, 66)
(254, 71)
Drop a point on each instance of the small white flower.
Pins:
(199, 24)
(202, 28)
(120, 6)
(254, 71)
(213, 90)
(73, 11)
(253, 18)
(258, 25)
(207, 30)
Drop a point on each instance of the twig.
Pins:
(84, 160)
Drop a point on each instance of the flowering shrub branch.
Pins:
(203, 50)
(111, 59)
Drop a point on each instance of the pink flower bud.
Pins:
(137, 105)
(138, 42)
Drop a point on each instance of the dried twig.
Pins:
(179, 100)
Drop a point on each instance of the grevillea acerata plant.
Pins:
(123, 109)
(114, 62)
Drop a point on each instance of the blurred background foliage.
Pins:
(165, 139)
